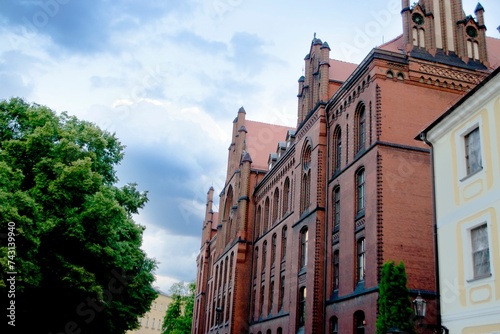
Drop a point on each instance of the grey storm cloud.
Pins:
(83, 26)
(162, 171)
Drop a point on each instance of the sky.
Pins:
(168, 78)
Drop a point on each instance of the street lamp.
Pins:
(420, 305)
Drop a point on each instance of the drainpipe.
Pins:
(423, 137)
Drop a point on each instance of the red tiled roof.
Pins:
(493, 45)
(341, 70)
(395, 45)
(262, 139)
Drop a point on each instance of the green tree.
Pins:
(77, 258)
(179, 314)
(394, 300)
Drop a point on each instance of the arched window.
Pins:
(334, 325)
(304, 235)
(268, 331)
(475, 46)
(273, 249)
(229, 203)
(283, 242)
(286, 196)
(258, 221)
(336, 270)
(280, 330)
(360, 191)
(360, 127)
(336, 208)
(359, 322)
(421, 38)
(301, 307)
(361, 260)
(266, 215)
(306, 180)
(415, 36)
(337, 146)
(276, 201)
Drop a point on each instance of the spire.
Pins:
(479, 7)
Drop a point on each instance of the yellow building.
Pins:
(152, 321)
(465, 145)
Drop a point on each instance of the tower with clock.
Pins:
(440, 26)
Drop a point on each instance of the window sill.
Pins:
(475, 279)
(360, 215)
(468, 176)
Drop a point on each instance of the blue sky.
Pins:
(168, 77)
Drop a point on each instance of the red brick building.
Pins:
(309, 215)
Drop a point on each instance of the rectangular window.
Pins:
(336, 270)
(480, 251)
(303, 248)
(473, 151)
(360, 191)
(361, 260)
(336, 209)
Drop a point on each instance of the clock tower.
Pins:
(441, 27)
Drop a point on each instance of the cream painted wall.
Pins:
(464, 202)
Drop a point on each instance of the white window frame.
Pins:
(476, 123)
(467, 249)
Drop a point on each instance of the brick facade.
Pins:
(310, 214)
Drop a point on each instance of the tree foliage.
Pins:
(394, 300)
(179, 314)
(78, 260)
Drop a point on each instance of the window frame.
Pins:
(304, 241)
(360, 260)
(360, 191)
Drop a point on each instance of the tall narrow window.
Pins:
(286, 196)
(303, 247)
(337, 145)
(305, 198)
(258, 223)
(283, 242)
(473, 151)
(360, 191)
(359, 322)
(336, 208)
(361, 260)
(273, 249)
(480, 251)
(334, 325)
(255, 262)
(276, 203)
(266, 215)
(301, 307)
(360, 128)
(282, 293)
(261, 305)
(336, 272)
(271, 298)
(231, 267)
(264, 255)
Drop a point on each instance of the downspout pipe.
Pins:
(423, 137)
